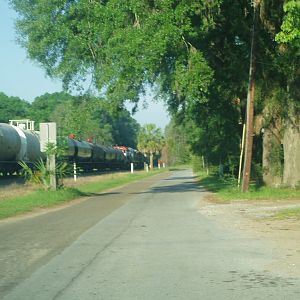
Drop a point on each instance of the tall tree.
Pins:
(177, 147)
(150, 141)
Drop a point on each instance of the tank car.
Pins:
(114, 158)
(98, 156)
(132, 156)
(90, 156)
(17, 144)
(79, 152)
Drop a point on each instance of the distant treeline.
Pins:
(87, 117)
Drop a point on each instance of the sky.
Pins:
(23, 78)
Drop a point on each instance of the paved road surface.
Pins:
(156, 245)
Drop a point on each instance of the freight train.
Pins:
(19, 142)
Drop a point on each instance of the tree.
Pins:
(278, 95)
(79, 116)
(12, 108)
(43, 106)
(88, 117)
(178, 149)
(121, 44)
(150, 141)
(124, 127)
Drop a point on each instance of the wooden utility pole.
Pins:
(250, 104)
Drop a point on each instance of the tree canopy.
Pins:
(87, 117)
(12, 108)
(122, 44)
(43, 106)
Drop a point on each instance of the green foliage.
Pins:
(42, 107)
(276, 158)
(197, 164)
(178, 150)
(40, 173)
(86, 117)
(124, 129)
(81, 117)
(150, 141)
(12, 108)
(257, 174)
(93, 118)
(291, 24)
(123, 44)
(226, 189)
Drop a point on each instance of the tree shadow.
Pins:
(180, 178)
(185, 187)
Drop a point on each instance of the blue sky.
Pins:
(23, 78)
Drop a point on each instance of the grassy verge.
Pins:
(44, 199)
(227, 190)
(179, 167)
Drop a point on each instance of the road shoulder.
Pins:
(255, 219)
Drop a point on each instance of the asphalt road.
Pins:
(144, 241)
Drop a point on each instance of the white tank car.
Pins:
(17, 144)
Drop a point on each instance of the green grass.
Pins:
(227, 190)
(179, 167)
(44, 199)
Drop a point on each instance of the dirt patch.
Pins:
(255, 219)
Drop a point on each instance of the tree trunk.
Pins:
(272, 174)
(291, 147)
(151, 160)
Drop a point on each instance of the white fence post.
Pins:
(75, 171)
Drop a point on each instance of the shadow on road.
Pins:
(180, 178)
(177, 188)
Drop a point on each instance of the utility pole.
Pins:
(250, 104)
